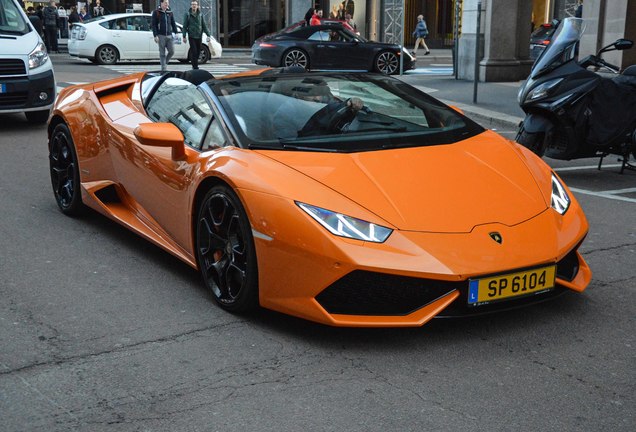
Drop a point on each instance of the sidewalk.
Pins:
(496, 105)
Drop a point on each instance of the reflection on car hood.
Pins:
(446, 188)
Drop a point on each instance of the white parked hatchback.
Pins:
(108, 39)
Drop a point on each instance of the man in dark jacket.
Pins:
(36, 21)
(50, 27)
(163, 26)
(194, 27)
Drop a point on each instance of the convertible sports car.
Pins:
(347, 199)
(329, 46)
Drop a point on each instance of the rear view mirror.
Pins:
(623, 44)
(162, 135)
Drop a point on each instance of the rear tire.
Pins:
(106, 55)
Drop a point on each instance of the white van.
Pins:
(27, 83)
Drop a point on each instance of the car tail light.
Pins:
(267, 45)
(545, 42)
(81, 33)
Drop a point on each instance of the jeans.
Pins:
(195, 50)
(51, 38)
(165, 43)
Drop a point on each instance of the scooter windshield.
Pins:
(562, 48)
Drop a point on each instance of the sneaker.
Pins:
(427, 53)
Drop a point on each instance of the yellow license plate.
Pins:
(501, 287)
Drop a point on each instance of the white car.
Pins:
(108, 39)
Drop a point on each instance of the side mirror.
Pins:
(620, 44)
(623, 44)
(162, 135)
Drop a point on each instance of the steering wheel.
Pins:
(330, 118)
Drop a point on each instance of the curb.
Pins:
(487, 118)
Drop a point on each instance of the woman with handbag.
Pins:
(194, 27)
(420, 33)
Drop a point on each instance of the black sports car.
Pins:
(329, 46)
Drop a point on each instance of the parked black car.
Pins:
(540, 38)
(329, 46)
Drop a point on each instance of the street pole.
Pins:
(476, 78)
(402, 41)
(456, 37)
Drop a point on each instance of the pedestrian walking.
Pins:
(316, 18)
(163, 27)
(420, 33)
(50, 27)
(193, 28)
(308, 15)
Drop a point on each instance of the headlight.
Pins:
(543, 90)
(347, 226)
(560, 200)
(38, 56)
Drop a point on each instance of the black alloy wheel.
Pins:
(296, 57)
(64, 170)
(387, 63)
(225, 250)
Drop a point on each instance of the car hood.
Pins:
(21, 45)
(445, 188)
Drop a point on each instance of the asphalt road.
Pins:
(102, 331)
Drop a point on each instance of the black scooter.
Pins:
(573, 112)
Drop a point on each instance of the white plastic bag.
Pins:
(215, 48)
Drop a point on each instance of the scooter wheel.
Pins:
(535, 142)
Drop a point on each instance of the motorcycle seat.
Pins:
(630, 70)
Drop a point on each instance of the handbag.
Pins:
(214, 47)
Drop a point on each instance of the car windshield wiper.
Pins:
(382, 128)
(306, 148)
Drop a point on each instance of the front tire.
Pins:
(204, 55)
(225, 250)
(387, 63)
(295, 57)
(106, 55)
(64, 169)
(535, 142)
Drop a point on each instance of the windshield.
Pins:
(337, 112)
(12, 21)
(562, 48)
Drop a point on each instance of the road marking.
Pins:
(425, 89)
(214, 68)
(587, 167)
(603, 195)
(430, 71)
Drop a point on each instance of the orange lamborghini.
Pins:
(346, 199)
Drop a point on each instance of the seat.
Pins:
(630, 70)
(197, 76)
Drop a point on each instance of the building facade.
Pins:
(503, 39)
